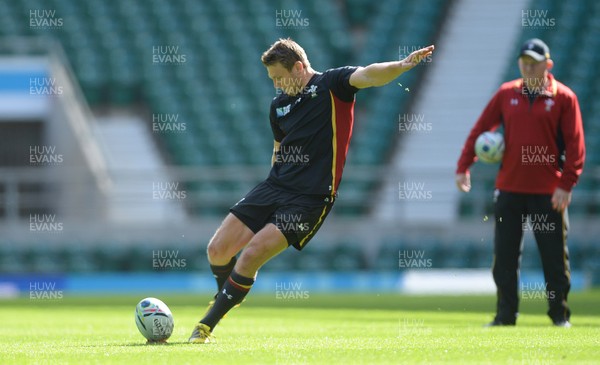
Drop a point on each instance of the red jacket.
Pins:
(536, 135)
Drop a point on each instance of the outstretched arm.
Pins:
(379, 74)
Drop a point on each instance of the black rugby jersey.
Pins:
(314, 129)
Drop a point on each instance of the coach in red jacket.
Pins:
(542, 162)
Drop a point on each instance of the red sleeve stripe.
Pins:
(342, 120)
(334, 145)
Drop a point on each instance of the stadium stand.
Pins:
(223, 95)
(222, 91)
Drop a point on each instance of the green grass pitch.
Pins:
(318, 329)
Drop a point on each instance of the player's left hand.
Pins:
(561, 199)
(417, 56)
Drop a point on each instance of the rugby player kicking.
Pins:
(312, 121)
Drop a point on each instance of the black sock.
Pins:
(221, 273)
(233, 292)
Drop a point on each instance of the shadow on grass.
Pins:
(167, 344)
(142, 344)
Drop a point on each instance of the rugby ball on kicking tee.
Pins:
(489, 147)
(154, 319)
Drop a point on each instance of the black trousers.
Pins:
(516, 213)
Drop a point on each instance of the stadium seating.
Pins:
(220, 89)
(72, 257)
(222, 93)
